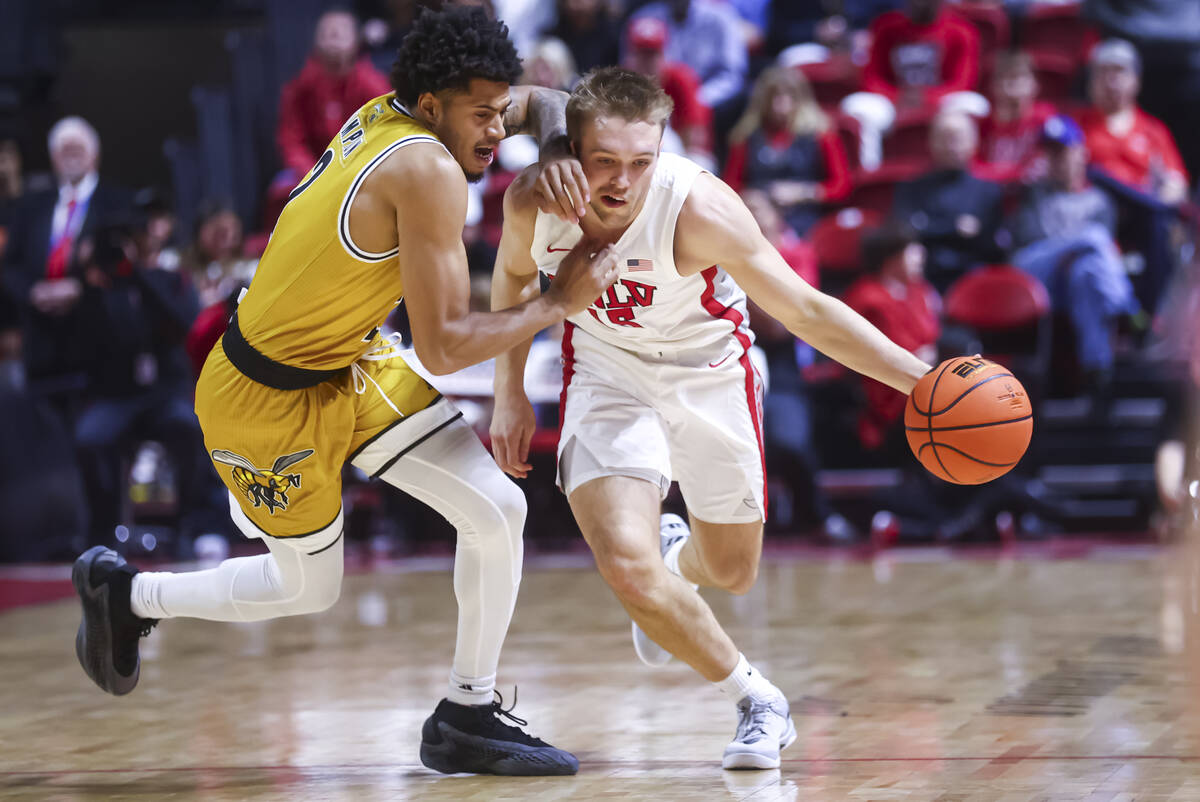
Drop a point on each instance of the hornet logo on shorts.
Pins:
(260, 485)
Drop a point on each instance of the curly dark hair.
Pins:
(446, 49)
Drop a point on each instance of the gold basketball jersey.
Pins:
(317, 299)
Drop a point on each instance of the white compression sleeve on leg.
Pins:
(285, 582)
(452, 472)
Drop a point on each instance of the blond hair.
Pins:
(807, 120)
(617, 92)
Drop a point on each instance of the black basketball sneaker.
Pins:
(475, 739)
(107, 641)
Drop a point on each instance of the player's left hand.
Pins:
(561, 186)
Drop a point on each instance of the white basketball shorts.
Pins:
(693, 416)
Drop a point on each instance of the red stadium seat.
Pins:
(996, 298)
(1055, 74)
(908, 139)
(873, 190)
(1058, 29)
(849, 132)
(837, 238)
(833, 79)
(991, 20)
(1009, 312)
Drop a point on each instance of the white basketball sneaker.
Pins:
(671, 530)
(764, 729)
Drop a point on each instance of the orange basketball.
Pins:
(968, 421)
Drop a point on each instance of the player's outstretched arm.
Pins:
(514, 281)
(716, 227)
(561, 188)
(429, 196)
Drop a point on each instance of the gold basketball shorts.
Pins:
(280, 452)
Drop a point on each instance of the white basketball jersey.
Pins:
(652, 307)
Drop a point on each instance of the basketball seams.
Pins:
(929, 421)
(962, 453)
(966, 392)
(968, 425)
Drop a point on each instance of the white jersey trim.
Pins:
(347, 241)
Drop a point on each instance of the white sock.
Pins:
(471, 690)
(745, 680)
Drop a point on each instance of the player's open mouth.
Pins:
(611, 202)
(485, 155)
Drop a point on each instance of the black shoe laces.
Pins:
(495, 712)
(145, 625)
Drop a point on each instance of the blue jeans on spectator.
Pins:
(1147, 223)
(1086, 278)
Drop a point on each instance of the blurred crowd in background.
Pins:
(1013, 179)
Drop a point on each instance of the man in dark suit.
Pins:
(955, 214)
(40, 266)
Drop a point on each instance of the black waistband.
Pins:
(265, 370)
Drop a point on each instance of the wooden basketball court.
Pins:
(914, 676)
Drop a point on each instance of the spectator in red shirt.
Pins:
(1009, 138)
(921, 54)
(791, 454)
(1126, 142)
(1135, 159)
(691, 119)
(784, 144)
(897, 299)
(333, 84)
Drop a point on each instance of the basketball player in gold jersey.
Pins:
(302, 382)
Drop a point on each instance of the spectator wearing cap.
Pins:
(705, 35)
(589, 31)
(896, 298)
(785, 145)
(1064, 233)
(955, 213)
(1010, 137)
(1126, 142)
(40, 265)
(332, 85)
(691, 119)
(1134, 158)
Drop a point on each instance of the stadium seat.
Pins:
(837, 238)
(1008, 311)
(874, 189)
(832, 80)
(1055, 73)
(908, 139)
(991, 20)
(1051, 28)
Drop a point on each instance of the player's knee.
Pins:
(501, 510)
(636, 581)
(735, 576)
(321, 597)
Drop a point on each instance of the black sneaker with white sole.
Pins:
(107, 641)
(474, 739)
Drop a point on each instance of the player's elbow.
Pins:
(436, 359)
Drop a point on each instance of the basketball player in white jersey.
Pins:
(658, 385)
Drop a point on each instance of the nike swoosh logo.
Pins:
(557, 250)
(719, 364)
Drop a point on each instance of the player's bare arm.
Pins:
(514, 281)
(561, 188)
(428, 193)
(715, 227)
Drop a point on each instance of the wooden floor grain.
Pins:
(914, 678)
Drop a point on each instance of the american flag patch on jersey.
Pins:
(635, 265)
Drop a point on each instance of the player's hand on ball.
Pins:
(513, 424)
(968, 420)
(584, 274)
